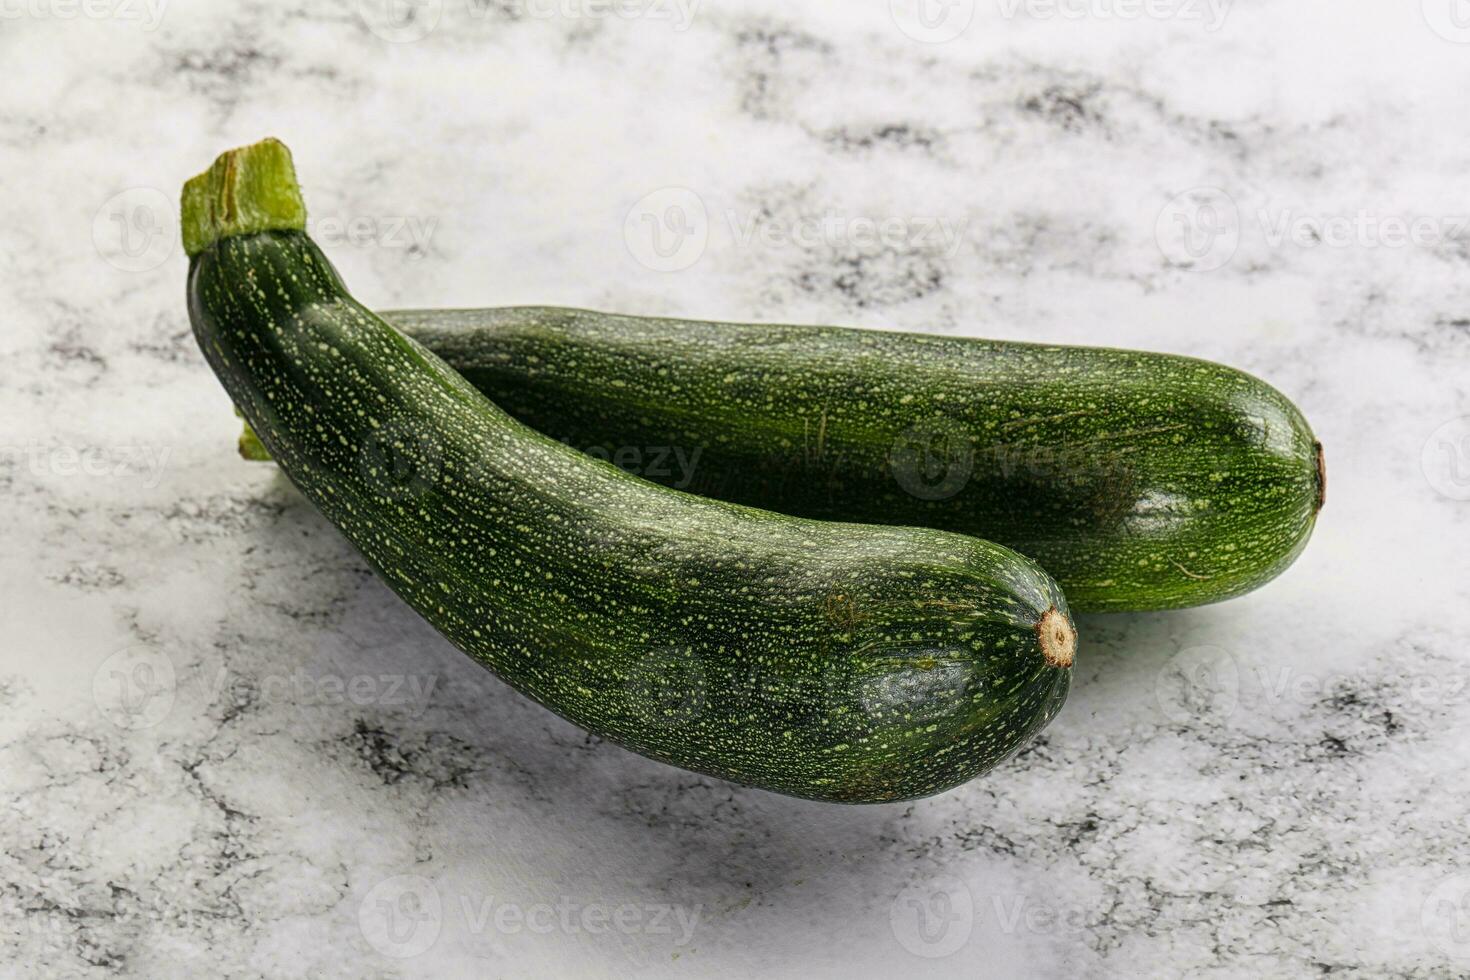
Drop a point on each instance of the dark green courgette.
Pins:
(831, 661)
(1139, 481)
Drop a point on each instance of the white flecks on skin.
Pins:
(598, 594)
(1162, 456)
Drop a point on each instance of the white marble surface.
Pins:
(225, 749)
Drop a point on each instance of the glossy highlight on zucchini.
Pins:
(832, 661)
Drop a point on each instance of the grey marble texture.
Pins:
(227, 750)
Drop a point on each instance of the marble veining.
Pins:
(226, 749)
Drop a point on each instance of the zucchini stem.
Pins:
(1321, 480)
(247, 190)
(1058, 638)
(251, 447)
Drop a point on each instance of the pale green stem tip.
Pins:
(250, 445)
(247, 190)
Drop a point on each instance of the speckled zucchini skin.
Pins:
(831, 661)
(1139, 481)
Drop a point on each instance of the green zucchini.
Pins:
(1139, 481)
(831, 661)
